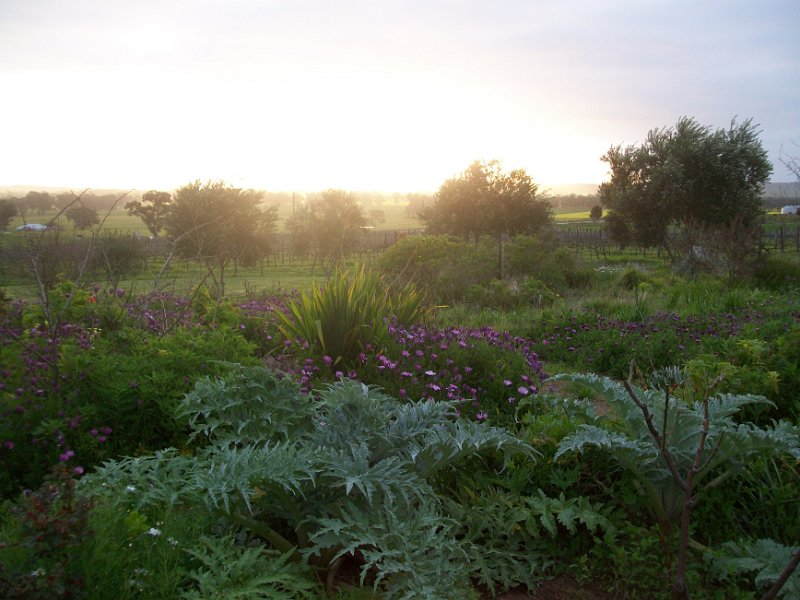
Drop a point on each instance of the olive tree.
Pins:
(703, 183)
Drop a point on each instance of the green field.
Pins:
(118, 221)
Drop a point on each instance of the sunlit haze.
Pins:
(383, 95)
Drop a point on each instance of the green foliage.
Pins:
(134, 554)
(137, 395)
(418, 258)
(486, 201)
(8, 210)
(228, 570)
(153, 210)
(450, 271)
(764, 557)
(508, 295)
(83, 217)
(680, 420)
(512, 540)
(777, 273)
(348, 313)
(327, 225)
(218, 224)
(357, 480)
(633, 278)
(688, 175)
(248, 403)
(40, 560)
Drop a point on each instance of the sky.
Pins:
(377, 95)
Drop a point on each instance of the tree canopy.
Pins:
(83, 217)
(690, 175)
(153, 210)
(219, 223)
(327, 224)
(484, 200)
(8, 210)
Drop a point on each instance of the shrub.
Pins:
(509, 295)
(349, 313)
(777, 273)
(633, 278)
(356, 478)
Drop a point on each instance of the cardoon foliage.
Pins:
(351, 473)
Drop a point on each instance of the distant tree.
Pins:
(486, 201)
(700, 180)
(40, 202)
(153, 210)
(217, 224)
(82, 217)
(416, 203)
(330, 222)
(596, 213)
(8, 210)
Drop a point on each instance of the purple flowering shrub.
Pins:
(483, 371)
(78, 391)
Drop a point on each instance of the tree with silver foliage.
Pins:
(704, 183)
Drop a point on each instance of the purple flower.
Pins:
(78, 470)
(66, 456)
(522, 390)
(507, 382)
(481, 416)
(9, 444)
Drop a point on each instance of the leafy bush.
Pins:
(40, 560)
(508, 295)
(777, 273)
(354, 478)
(764, 557)
(74, 393)
(633, 278)
(447, 270)
(625, 435)
(672, 437)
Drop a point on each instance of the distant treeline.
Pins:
(40, 202)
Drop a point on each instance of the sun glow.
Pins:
(303, 134)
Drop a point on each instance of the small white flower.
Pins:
(40, 572)
(130, 489)
(154, 532)
(173, 542)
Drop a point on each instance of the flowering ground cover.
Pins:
(99, 375)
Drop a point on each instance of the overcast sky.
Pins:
(390, 95)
